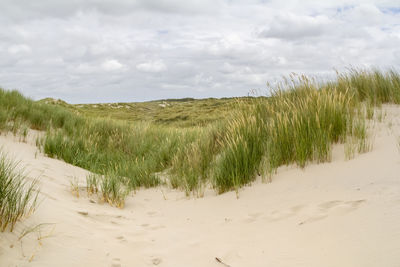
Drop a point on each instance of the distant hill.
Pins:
(184, 112)
(49, 100)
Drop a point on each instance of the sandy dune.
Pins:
(343, 213)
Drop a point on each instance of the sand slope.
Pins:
(344, 213)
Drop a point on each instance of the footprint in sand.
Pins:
(153, 227)
(348, 206)
(297, 208)
(278, 215)
(330, 204)
(313, 219)
(341, 206)
(121, 238)
(116, 262)
(275, 215)
(109, 218)
(252, 217)
(156, 261)
(151, 213)
(156, 227)
(337, 207)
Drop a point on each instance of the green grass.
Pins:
(187, 112)
(135, 152)
(191, 144)
(18, 112)
(295, 125)
(372, 86)
(108, 188)
(190, 166)
(17, 197)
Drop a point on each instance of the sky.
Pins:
(90, 51)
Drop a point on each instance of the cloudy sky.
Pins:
(86, 51)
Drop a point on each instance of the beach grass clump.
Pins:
(110, 188)
(295, 125)
(372, 86)
(191, 164)
(92, 184)
(241, 153)
(17, 197)
(17, 111)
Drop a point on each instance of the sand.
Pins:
(342, 213)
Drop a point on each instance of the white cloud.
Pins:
(111, 65)
(152, 66)
(365, 14)
(151, 49)
(279, 60)
(291, 26)
(85, 68)
(19, 49)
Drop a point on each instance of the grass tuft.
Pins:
(17, 197)
(109, 188)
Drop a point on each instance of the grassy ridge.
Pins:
(187, 112)
(300, 122)
(293, 126)
(17, 113)
(297, 124)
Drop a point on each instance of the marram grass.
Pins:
(297, 124)
(293, 126)
(17, 197)
(108, 187)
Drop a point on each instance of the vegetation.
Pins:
(18, 113)
(17, 197)
(295, 125)
(190, 144)
(373, 87)
(186, 112)
(109, 187)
